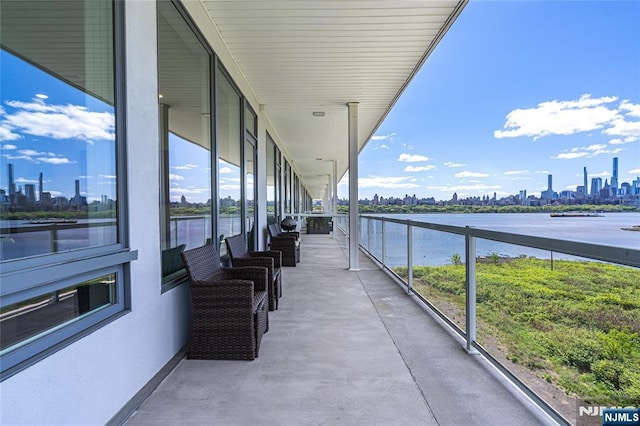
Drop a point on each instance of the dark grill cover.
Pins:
(288, 224)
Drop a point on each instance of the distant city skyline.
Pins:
(588, 181)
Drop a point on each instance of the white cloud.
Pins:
(634, 171)
(412, 158)
(225, 170)
(8, 147)
(601, 174)
(418, 168)
(633, 110)
(516, 172)
(190, 191)
(458, 188)
(471, 174)
(54, 160)
(39, 157)
(561, 118)
(59, 121)
(585, 152)
(388, 182)
(383, 137)
(186, 167)
(234, 180)
(229, 187)
(24, 180)
(381, 146)
(7, 135)
(625, 140)
(452, 164)
(175, 177)
(622, 127)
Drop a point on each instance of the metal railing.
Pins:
(374, 240)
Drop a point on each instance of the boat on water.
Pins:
(576, 214)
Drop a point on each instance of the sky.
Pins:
(49, 127)
(515, 91)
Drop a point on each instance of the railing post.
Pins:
(470, 248)
(384, 243)
(369, 222)
(54, 239)
(409, 258)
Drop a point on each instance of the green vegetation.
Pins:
(605, 208)
(576, 325)
(67, 215)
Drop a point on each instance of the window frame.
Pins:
(25, 278)
(165, 217)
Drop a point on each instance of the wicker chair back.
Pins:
(236, 247)
(203, 263)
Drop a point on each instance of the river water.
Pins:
(434, 247)
(430, 247)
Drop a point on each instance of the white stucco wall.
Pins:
(89, 381)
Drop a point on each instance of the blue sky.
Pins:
(515, 91)
(49, 127)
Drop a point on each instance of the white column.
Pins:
(334, 197)
(353, 187)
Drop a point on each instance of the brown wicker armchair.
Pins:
(272, 260)
(230, 307)
(277, 229)
(287, 242)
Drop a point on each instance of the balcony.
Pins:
(343, 348)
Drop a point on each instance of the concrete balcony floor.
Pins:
(344, 348)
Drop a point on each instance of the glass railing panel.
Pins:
(396, 247)
(364, 232)
(374, 238)
(439, 271)
(568, 327)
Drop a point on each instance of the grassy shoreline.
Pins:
(575, 326)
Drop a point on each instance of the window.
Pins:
(250, 121)
(63, 248)
(273, 181)
(249, 190)
(185, 144)
(229, 140)
(287, 187)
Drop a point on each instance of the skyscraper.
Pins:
(586, 188)
(596, 186)
(614, 178)
(12, 186)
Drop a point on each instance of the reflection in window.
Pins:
(249, 167)
(287, 188)
(58, 164)
(185, 120)
(229, 145)
(21, 321)
(271, 181)
(59, 174)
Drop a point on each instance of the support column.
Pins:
(353, 187)
(334, 198)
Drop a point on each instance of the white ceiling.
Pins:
(301, 56)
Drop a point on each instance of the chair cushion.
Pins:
(171, 260)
